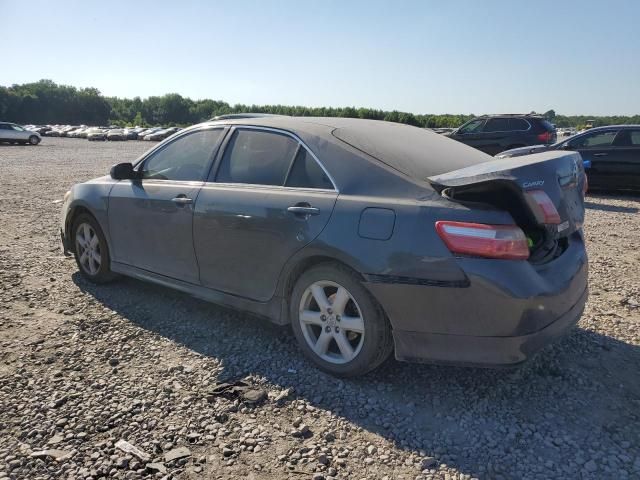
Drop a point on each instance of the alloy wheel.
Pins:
(332, 322)
(88, 249)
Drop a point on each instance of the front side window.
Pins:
(635, 138)
(17, 128)
(594, 140)
(306, 173)
(185, 159)
(257, 157)
(497, 125)
(471, 127)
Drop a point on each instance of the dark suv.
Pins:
(495, 133)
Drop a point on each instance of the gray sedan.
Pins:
(366, 237)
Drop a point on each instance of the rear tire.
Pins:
(90, 250)
(33, 140)
(338, 324)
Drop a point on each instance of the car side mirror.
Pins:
(567, 146)
(123, 171)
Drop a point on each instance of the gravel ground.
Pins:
(83, 367)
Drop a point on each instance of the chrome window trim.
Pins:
(211, 185)
(297, 139)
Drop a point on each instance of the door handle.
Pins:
(303, 210)
(600, 154)
(182, 200)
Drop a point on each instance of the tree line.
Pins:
(45, 102)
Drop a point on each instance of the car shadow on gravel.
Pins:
(610, 208)
(580, 394)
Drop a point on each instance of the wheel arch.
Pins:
(296, 269)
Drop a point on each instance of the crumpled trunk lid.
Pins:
(505, 183)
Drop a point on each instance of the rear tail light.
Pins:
(545, 137)
(543, 207)
(481, 240)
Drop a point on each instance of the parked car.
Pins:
(14, 133)
(116, 134)
(131, 133)
(495, 133)
(611, 155)
(96, 134)
(161, 134)
(148, 131)
(367, 237)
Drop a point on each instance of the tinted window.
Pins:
(257, 157)
(306, 173)
(518, 124)
(597, 139)
(472, 126)
(186, 158)
(4, 126)
(497, 125)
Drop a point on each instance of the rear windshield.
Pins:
(416, 152)
(547, 125)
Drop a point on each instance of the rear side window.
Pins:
(257, 157)
(4, 126)
(306, 173)
(518, 124)
(497, 125)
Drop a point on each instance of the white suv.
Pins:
(10, 132)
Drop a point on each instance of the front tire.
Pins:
(338, 324)
(91, 250)
(33, 140)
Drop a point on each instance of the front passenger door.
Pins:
(151, 219)
(595, 148)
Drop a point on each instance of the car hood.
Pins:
(516, 152)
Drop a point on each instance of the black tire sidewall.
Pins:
(375, 348)
(104, 273)
(37, 141)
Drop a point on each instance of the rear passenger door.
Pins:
(627, 155)
(6, 132)
(494, 133)
(267, 197)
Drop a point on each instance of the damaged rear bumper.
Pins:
(482, 351)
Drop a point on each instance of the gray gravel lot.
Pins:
(82, 367)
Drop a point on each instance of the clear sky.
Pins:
(459, 56)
